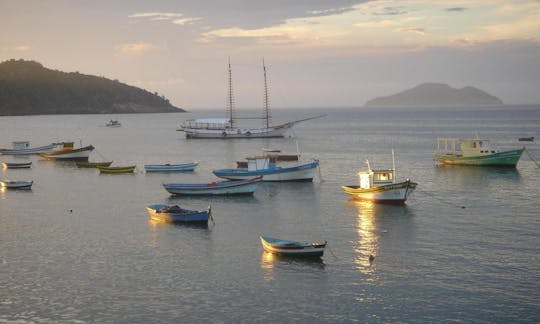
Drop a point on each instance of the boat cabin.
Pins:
(20, 145)
(375, 178)
(208, 123)
(468, 147)
(259, 163)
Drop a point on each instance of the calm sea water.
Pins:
(465, 248)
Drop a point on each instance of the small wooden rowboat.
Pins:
(244, 187)
(170, 167)
(174, 213)
(292, 248)
(117, 170)
(82, 164)
(14, 165)
(16, 184)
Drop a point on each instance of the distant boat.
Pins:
(261, 166)
(116, 170)
(380, 186)
(66, 152)
(113, 123)
(226, 128)
(16, 184)
(526, 139)
(23, 148)
(244, 187)
(170, 167)
(474, 152)
(174, 213)
(83, 164)
(292, 248)
(14, 165)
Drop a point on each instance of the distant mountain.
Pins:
(437, 94)
(28, 88)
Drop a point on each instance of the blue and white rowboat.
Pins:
(170, 167)
(261, 166)
(16, 165)
(174, 213)
(245, 187)
(292, 248)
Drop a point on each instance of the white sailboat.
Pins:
(227, 127)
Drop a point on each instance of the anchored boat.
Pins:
(16, 165)
(475, 152)
(83, 164)
(65, 152)
(23, 148)
(174, 213)
(292, 248)
(16, 184)
(170, 167)
(244, 187)
(380, 186)
(226, 128)
(261, 166)
(116, 170)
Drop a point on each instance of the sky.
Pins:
(318, 53)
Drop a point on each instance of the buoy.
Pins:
(71, 210)
(371, 258)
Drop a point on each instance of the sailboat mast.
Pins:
(266, 108)
(230, 99)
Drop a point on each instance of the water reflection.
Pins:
(367, 246)
(474, 176)
(272, 263)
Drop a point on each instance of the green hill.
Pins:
(28, 88)
(437, 94)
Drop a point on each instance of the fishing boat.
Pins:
(292, 248)
(65, 152)
(83, 164)
(274, 155)
(15, 165)
(23, 148)
(244, 187)
(226, 128)
(175, 214)
(170, 167)
(113, 123)
(526, 139)
(261, 166)
(380, 186)
(474, 152)
(116, 170)
(16, 184)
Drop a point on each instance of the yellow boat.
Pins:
(115, 170)
(82, 164)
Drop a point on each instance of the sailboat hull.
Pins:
(228, 133)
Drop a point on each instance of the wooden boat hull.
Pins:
(13, 165)
(83, 164)
(13, 184)
(304, 172)
(41, 149)
(116, 170)
(292, 248)
(500, 159)
(396, 193)
(80, 154)
(224, 188)
(157, 212)
(170, 167)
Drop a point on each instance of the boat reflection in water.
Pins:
(272, 264)
(368, 237)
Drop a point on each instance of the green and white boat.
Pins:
(475, 152)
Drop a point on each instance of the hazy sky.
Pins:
(319, 53)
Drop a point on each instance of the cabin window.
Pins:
(480, 144)
(474, 144)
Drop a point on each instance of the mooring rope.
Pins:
(530, 156)
(427, 193)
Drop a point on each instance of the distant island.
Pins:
(28, 88)
(437, 95)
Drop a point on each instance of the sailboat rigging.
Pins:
(227, 128)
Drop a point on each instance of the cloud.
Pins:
(134, 49)
(391, 11)
(21, 48)
(456, 9)
(173, 17)
(417, 30)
